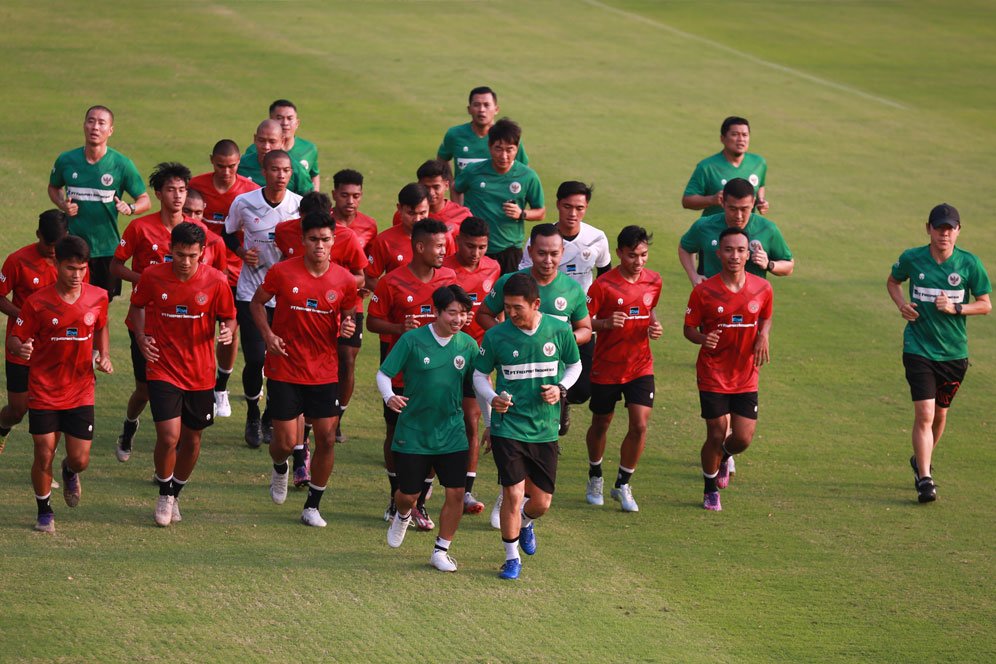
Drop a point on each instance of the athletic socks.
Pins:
(469, 486)
(44, 504)
(526, 519)
(511, 548)
(307, 434)
(178, 486)
(710, 482)
(281, 468)
(443, 544)
(221, 380)
(299, 456)
(595, 468)
(393, 479)
(315, 494)
(128, 432)
(165, 485)
(424, 492)
(624, 476)
(253, 412)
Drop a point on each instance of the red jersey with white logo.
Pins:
(477, 284)
(346, 250)
(216, 207)
(24, 272)
(623, 354)
(451, 214)
(729, 368)
(307, 318)
(180, 316)
(365, 228)
(393, 248)
(61, 375)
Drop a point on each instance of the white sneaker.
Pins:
(278, 487)
(164, 511)
(397, 530)
(311, 517)
(594, 493)
(121, 453)
(732, 465)
(624, 495)
(222, 407)
(177, 517)
(496, 513)
(441, 560)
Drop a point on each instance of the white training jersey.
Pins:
(587, 251)
(257, 219)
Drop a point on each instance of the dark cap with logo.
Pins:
(944, 215)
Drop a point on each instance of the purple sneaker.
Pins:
(72, 488)
(46, 523)
(301, 476)
(711, 501)
(723, 479)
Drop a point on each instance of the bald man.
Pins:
(269, 136)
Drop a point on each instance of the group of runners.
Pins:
(487, 336)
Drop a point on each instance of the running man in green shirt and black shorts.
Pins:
(733, 161)
(537, 361)
(935, 341)
(301, 151)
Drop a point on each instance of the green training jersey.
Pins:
(485, 191)
(712, 174)
(465, 147)
(300, 182)
(703, 236)
(432, 422)
(526, 362)
(936, 335)
(563, 298)
(93, 187)
(304, 152)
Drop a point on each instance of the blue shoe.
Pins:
(527, 540)
(510, 570)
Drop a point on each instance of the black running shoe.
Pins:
(254, 433)
(916, 471)
(926, 490)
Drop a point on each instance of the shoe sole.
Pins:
(50, 528)
(476, 508)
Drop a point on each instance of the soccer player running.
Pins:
(435, 175)
(621, 303)
(402, 302)
(733, 161)
(268, 137)
(62, 331)
(315, 305)
(24, 272)
(536, 358)
(301, 151)
(173, 312)
(430, 435)
(935, 341)
(729, 316)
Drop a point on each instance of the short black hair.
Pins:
(317, 219)
(225, 147)
(474, 227)
(444, 296)
(412, 194)
(53, 225)
(72, 247)
(99, 107)
(314, 201)
(482, 90)
(572, 188)
(427, 227)
(167, 171)
(193, 193)
(633, 236)
(282, 102)
(738, 188)
(187, 233)
(731, 121)
(522, 284)
(276, 154)
(544, 230)
(506, 131)
(435, 168)
(347, 176)
(732, 230)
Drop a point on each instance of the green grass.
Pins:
(868, 115)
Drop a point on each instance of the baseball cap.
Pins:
(944, 215)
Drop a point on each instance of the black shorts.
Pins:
(581, 390)
(285, 401)
(412, 469)
(17, 377)
(468, 386)
(137, 360)
(76, 422)
(639, 391)
(930, 379)
(389, 415)
(516, 461)
(716, 404)
(508, 259)
(195, 408)
(100, 275)
(356, 340)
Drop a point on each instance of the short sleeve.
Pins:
(900, 269)
(594, 298)
(779, 249)
(26, 323)
(769, 303)
(233, 222)
(141, 295)
(380, 302)
(8, 276)
(693, 313)
(696, 183)
(460, 183)
(494, 299)
(445, 152)
(580, 308)
(396, 359)
(273, 280)
(103, 304)
(690, 240)
(604, 258)
(979, 284)
(534, 196)
(132, 180)
(224, 303)
(128, 242)
(55, 178)
(485, 360)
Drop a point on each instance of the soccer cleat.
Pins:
(527, 540)
(594, 493)
(121, 452)
(710, 501)
(472, 505)
(176, 516)
(496, 513)
(926, 490)
(266, 429)
(421, 518)
(916, 470)
(441, 560)
(72, 490)
(46, 523)
(278, 487)
(511, 569)
(125, 440)
(301, 477)
(311, 517)
(254, 432)
(565, 417)
(724, 476)
(390, 511)
(397, 530)
(624, 494)
(164, 511)
(222, 406)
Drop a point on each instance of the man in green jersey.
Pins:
(499, 190)
(430, 434)
(768, 250)
(733, 161)
(537, 361)
(269, 136)
(935, 341)
(94, 178)
(303, 152)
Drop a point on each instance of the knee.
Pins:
(638, 429)
(538, 505)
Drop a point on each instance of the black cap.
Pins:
(944, 215)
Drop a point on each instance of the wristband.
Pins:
(958, 309)
(563, 391)
(522, 215)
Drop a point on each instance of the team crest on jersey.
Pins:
(586, 254)
(619, 301)
(331, 296)
(719, 310)
(634, 311)
(549, 349)
(560, 304)
(753, 307)
(515, 187)
(409, 299)
(648, 298)
(34, 281)
(753, 179)
(487, 285)
(181, 310)
(107, 179)
(755, 245)
(201, 299)
(954, 279)
(88, 318)
(459, 362)
(304, 162)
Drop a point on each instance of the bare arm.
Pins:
(698, 202)
(119, 270)
(7, 307)
(257, 307)
(63, 203)
(382, 326)
(687, 261)
(486, 318)
(906, 309)
(761, 351)
(582, 330)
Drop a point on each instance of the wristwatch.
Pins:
(522, 215)
(563, 391)
(958, 309)
(131, 206)
(770, 266)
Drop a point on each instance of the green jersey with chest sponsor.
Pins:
(93, 187)
(432, 422)
(485, 191)
(462, 144)
(304, 152)
(300, 182)
(936, 335)
(563, 298)
(703, 236)
(712, 173)
(525, 362)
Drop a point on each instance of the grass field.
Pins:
(868, 115)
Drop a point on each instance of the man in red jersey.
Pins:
(621, 303)
(218, 189)
(62, 330)
(315, 304)
(215, 252)
(392, 248)
(435, 175)
(26, 271)
(729, 315)
(402, 302)
(476, 274)
(173, 310)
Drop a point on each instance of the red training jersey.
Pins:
(25, 271)
(216, 205)
(346, 250)
(623, 354)
(477, 284)
(451, 215)
(180, 316)
(365, 228)
(307, 318)
(729, 368)
(393, 248)
(61, 375)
